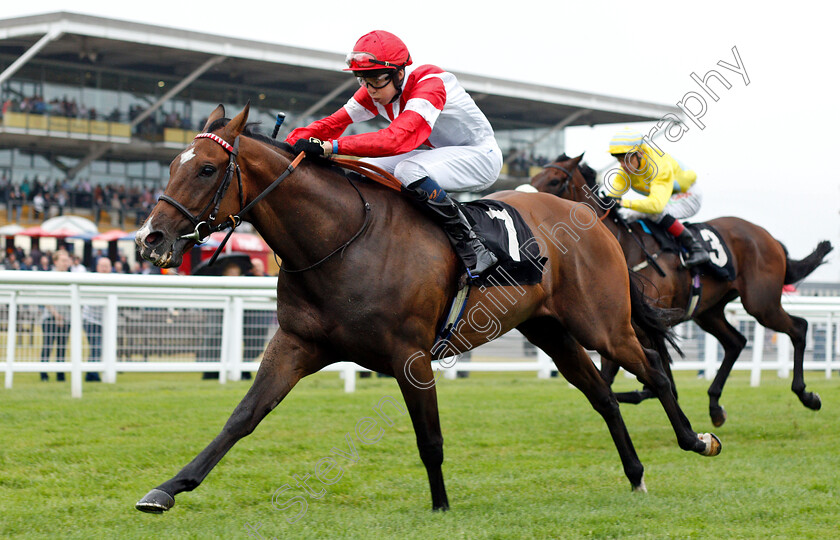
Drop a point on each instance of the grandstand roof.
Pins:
(310, 78)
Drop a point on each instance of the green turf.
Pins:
(525, 458)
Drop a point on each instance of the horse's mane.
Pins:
(252, 131)
(588, 172)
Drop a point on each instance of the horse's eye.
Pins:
(207, 171)
(554, 183)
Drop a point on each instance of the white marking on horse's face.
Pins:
(142, 233)
(187, 155)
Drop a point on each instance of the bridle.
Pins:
(566, 181)
(565, 185)
(235, 220)
(204, 228)
(617, 219)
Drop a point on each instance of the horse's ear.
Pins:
(219, 112)
(576, 160)
(235, 127)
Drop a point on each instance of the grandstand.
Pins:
(94, 109)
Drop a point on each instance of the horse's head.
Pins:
(566, 178)
(199, 178)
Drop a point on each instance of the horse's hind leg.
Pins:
(647, 366)
(714, 322)
(286, 361)
(573, 362)
(609, 370)
(417, 384)
(776, 318)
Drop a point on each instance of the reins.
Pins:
(204, 228)
(567, 183)
(619, 221)
(373, 172)
(370, 171)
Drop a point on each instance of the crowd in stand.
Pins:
(55, 196)
(36, 260)
(70, 108)
(520, 163)
(67, 108)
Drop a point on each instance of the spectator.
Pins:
(147, 268)
(55, 321)
(25, 188)
(92, 321)
(15, 206)
(255, 323)
(39, 205)
(43, 264)
(77, 265)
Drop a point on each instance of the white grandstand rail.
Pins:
(200, 296)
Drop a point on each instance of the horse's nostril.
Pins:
(154, 238)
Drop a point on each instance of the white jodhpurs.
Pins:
(454, 168)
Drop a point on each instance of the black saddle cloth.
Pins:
(720, 265)
(506, 234)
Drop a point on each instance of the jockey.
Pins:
(424, 105)
(671, 190)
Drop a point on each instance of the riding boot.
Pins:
(446, 212)
(697, 253)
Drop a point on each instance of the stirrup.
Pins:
(685, 259)
(482, 254)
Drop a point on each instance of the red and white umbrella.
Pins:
(40, 232)
(239, 242)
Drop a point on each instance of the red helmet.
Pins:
(378, 50)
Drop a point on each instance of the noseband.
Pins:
(203, 229)
(565, 184)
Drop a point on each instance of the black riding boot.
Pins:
(697, 253)
(445, 211)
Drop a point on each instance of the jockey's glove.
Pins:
(314, 147)
(607, 196)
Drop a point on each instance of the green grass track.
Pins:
(524, 458)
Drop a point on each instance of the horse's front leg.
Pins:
(417, 384)
(287, 359)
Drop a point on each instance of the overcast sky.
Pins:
(765, 153)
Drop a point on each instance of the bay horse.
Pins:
(378, 299)
(762, 268)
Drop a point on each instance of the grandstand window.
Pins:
(116, 167)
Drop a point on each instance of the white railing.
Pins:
(210, 324)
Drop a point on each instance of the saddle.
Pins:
(502, 230)
(506, 234)
(500, 226)
(720, 264)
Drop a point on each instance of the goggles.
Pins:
(365, 60)
(377, 83)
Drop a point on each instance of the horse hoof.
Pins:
(713, 446)
(718, 416)
(641, 488)
(155, 502)
(811, 400)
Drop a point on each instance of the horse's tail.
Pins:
(652, 321)
(798, 270)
